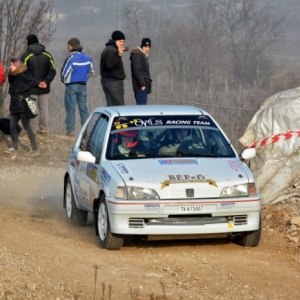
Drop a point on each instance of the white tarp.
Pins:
(276, 166)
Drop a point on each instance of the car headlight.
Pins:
(241, 190)
(135, 193)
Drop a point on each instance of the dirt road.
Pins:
(43, 257)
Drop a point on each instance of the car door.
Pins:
(81, 188)
(88, 171)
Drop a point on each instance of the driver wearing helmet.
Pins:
(127, 143)
(178, 137)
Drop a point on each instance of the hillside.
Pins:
(43, 257)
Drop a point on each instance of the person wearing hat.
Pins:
(76, 70)
(112, 69)
(140, 73)
(40, 65)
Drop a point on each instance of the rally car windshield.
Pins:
(180, 136)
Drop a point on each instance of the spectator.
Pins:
(112, 69)
(77, 68)
(40, 65)
(2, 73)
(20, 84)
(140, 73)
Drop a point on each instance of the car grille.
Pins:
(136, 223)
(240, 220)
(180, 221)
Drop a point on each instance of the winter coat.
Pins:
(41, 65)
(111, 64)
(20, 85)
(77, 68)
(140, 72)
(2, 73)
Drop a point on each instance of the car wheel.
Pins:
(108, 240)
(251, 238)
(75, 216)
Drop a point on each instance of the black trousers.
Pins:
(14, 119)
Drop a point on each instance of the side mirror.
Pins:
(248, 153)
(86, 156)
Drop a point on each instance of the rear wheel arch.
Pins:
(66, 177)
(75, 215)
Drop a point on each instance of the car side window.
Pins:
(88, 131)
(95, 144)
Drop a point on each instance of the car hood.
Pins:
(171, 177)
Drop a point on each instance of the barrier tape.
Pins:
(275, 138)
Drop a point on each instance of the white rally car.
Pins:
(160, 172)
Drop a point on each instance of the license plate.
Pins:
(191, 209)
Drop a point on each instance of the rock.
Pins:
(295, 221)
(31, 286)
(293, 239)
(268, 217)
(155, 275)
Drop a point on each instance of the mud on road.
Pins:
(43, 257)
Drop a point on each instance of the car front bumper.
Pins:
(182, 217)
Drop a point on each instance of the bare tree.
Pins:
(139, 21)
(207, 40)
(19, 18)
(252, 34)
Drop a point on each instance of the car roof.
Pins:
(144, 110)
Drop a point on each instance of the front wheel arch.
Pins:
(108, 240)
(252, 238)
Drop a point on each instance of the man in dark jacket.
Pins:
(112, 69)
(140, 73)
(40, 65)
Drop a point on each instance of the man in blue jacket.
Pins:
(76, 70)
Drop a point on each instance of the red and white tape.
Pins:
(275, 138)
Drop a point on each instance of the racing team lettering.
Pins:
(124, 122)
(187, 122)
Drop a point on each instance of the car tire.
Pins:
(251, 238)
(75, 216)
(108, 240)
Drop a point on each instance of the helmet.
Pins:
(128, 133)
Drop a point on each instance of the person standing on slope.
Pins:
(76, 70)
(140, 73)
(40, 65)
